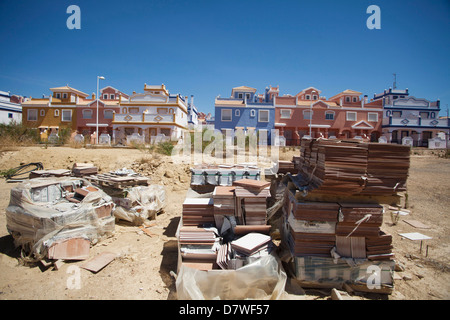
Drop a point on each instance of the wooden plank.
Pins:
(99, 262)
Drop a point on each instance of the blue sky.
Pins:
(204, 48)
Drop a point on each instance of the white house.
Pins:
(9, 110)
(150, 116)
(408, 116)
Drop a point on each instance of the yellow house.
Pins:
(56, 112)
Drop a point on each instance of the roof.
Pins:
(346, 92)
(69, 89)
(304, 90)
(161, 87)
(230, 102)
(244, 88)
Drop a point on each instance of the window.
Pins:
(87, 114)
(307, 97)
(396, 114)
(112, 97)
(432, 115)
(424, 115)
(165, 132)
(347, 99)
(10, 115)
(42, 112)
(314, 97)
(263, 116)
(108, 114)
(56, 113)
(136, 110)
(252, 113)
(159, 110)
(354, 99)
(307, 114)
(371, 116)
(285, 114)
(240, 96)
(247, 96)
(329, 115)
(237, 113)
(226, 115)
(171, 111)
(32, 115)
(351, 116)
(65, 95)
(66, 115)
(105, 96)
(58, 95)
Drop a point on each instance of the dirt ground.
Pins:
(142, 268)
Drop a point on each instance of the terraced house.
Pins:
(344, 115)
(151, 115)
(406, 116)
(51, 114)
(245, 110)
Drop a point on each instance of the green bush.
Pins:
(165, 148)
(16, 133)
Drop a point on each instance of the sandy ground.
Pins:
(142, 269)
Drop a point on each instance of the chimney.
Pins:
(363, 101)
(192, 100)
(93, 96)
(340, 101)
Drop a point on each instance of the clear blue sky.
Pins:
(204, 48)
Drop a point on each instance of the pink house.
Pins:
(108, 104)
(344, 115)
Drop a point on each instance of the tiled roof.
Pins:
(68, 89)
(244, 88)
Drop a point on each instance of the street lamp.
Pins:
(310, 114)
(96, 133)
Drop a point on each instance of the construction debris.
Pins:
(226, 231)
(58, 218)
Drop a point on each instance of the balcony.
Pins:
(143, 118)
(415, 122)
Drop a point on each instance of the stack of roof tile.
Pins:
(198, 247)
(387, 168)
(359, 225)
(339, 168)
(312, 228)
(251, 201)
(198, 212)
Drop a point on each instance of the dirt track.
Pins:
(142, 269)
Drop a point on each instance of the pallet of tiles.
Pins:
(197, 211)
(387, 168)
(197, 247)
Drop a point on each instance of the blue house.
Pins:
(408, 116)
(247, 111)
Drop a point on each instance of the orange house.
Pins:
(54, 113)
(344, 115)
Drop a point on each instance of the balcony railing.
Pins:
(407, 122)
(143, 117)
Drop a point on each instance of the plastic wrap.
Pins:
(140, 203)
(39, 213)
(261, 279)
(330, 272)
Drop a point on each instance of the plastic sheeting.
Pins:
(261, 279)
(143, 203)
(39, 214)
